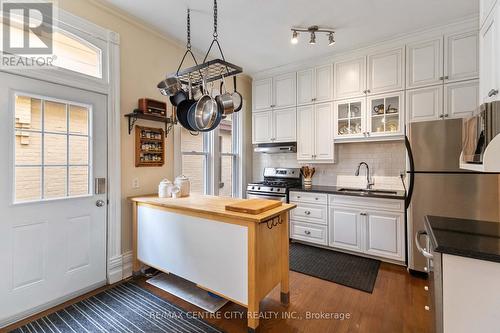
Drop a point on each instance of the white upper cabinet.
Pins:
(385, 71)
(315, 85)
(489, 54)
(461, 61)
(323, 83)
(425, 103)
(461, 99)
(424, 63)
(350, 118)
(315, 133)
(262, 127)
(350, 78)
(485, 8)
(305, 133)
(285, 125)
(278, 92)
(274, 126)
(284, 89)
(323, 132)
(263, 94)
(305, 87)
(385, 115)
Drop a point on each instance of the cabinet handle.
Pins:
(307, 212)
(298, 197)
(441, 116)
(368, 91)
(363, 214)
(307, 232)
(446, 77)
(446, 115)
(441, 78)
(316, 199)
(493, 92)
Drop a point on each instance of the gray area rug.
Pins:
(124, 308)
(188, 291)
(342, 268)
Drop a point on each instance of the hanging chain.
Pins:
(188, 29)
(215, 19)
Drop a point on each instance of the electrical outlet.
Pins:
(135, 183)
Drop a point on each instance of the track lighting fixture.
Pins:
(313, 30)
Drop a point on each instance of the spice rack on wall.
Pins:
(149, 147)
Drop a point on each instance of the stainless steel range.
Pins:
(276, 184)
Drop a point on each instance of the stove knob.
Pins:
(272, 189)
(253, 187)
(258, 189)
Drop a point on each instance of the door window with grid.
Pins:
(52, 152)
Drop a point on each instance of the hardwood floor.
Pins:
(396, 305)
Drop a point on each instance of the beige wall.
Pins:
(145, 58)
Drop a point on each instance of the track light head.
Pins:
(295, 37)
(312, 41)
(331, 39)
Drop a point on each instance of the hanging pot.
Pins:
(225, 100)
(170, 86)
(178, 98)
(182, 114)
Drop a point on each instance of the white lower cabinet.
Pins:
(384, 234)
(369, 226)
(345, 228)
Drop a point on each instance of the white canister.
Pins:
(165, 189)
(176, 192)
(184, 185)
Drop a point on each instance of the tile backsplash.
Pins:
(386, 161)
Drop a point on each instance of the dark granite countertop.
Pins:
(466, 238)
(400, 195)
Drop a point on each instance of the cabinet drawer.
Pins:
(365, 203)
(310, 213)
(309, 233)
(316, 198)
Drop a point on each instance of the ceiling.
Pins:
(256, 34)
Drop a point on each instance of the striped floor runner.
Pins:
(125, 308)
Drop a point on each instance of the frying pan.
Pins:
(182, 113)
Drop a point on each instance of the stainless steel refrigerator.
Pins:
(438, 186)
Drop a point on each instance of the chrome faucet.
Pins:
(369, 183)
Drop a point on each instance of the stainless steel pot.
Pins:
(225, 100)
(170, 86)
(206, 111)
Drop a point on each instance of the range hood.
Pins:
(276, 148)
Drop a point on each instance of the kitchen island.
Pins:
(238, 256)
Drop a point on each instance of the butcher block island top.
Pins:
(213, 207)
(238, 256)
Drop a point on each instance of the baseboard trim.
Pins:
(115, 269)
(25, 314)
(127, 258)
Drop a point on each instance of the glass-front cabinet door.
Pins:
(350, 118)
(385, 115)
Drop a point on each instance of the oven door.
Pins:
(268, 196)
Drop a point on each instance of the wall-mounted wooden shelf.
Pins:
(149, 147)
(134, 116)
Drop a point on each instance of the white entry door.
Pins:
(52, 224)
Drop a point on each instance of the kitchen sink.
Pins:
(367, 192)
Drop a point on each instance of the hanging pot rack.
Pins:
(209, 70)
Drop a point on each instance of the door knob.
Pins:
(100, 203)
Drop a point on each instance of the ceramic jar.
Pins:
(184, 185)
(165, 188)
